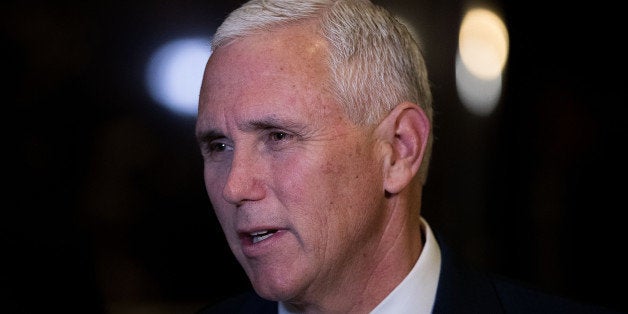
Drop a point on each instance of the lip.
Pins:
(253, 249)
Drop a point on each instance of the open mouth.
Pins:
(261, 235)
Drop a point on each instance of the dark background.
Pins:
(105, 206)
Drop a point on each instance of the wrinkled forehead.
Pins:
(284, 69)
(288, 50)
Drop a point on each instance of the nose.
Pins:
(244, 182)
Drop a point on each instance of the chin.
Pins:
(274, 289)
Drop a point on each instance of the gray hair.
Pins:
(375, 62)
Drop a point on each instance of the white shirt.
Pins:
(417, 292)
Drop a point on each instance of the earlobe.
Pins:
(406, 129)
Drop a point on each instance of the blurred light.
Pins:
(478, 95)
(175, 72)
(482, 54)
(483, 43)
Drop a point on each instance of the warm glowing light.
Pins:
(483, 43)
(175, 72)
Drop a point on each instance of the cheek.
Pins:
(327, 189)
(352, 169)
(354, 181)
(292, 179)
(212, 182)
(214, 185)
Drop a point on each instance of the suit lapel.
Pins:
(462, 289)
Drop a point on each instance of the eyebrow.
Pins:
(208, 135)
(265, 123)
(271, 122)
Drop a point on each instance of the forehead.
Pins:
(280, 71)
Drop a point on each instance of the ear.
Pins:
(405, 131)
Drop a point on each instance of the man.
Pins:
(315, 126)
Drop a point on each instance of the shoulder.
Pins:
(516, 297)
(463, 288)
(247, 302)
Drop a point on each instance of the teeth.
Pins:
(261, 236)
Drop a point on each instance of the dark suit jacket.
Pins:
(461, 289)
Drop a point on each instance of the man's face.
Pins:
(296, 186)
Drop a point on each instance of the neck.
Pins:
(380, 267)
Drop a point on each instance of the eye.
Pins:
(217, 150)
(279, 136)
(279, 140)
(217, 147)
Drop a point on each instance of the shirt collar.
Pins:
(417, 292)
